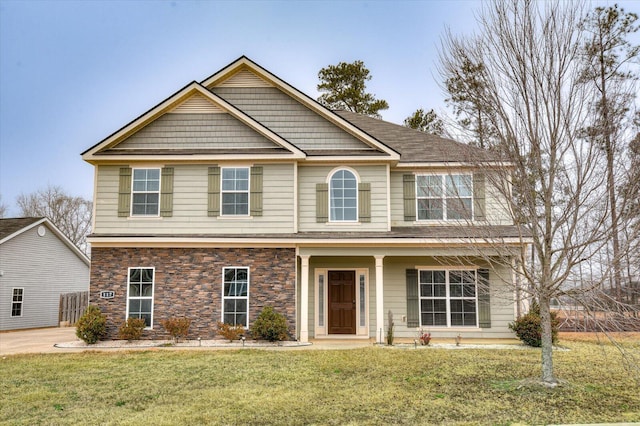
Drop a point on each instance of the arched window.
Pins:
(343, 196)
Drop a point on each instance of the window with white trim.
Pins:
(448, 298)
(17, 298)
(343, 197)
(235, 296)
(444, 197)
(235, 191)
(145, 200)
(140, 294)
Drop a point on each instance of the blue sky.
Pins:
(72, 73)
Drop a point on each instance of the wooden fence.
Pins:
(72, 306)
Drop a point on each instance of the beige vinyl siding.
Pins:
(309, 176)
(244, 78)
(190, 210)
(290, 119)
(496, 213)
(196, 131)
(44, 267)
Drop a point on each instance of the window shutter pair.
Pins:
(413, 299)
(322, 202)
(166, 194)
(409, 195)
(213, 191)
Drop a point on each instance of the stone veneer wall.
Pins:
(188, 282)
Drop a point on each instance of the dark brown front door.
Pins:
(342, 302)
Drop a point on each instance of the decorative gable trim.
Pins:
(171, 103)
(244, 78)
(197, 104)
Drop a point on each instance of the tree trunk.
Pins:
(548, 377)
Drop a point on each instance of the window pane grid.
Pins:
(140, 298)
(145, 192)
(444, 197)
(343, 196)
(235, 191)
(448, 298)
(235, 296)
(16, 302)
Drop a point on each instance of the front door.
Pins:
(342, 302)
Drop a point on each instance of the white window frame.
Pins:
(448, 298)
(235, 191)
(330, 195)
(224, 297)
(444, 196)
(18, 302)
(134, 192)
(153, 290)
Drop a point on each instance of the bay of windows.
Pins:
(448, 298)
(444, 197)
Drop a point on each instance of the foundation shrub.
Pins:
(528, 327)
(270, 325)
(178, 328)
(230, 332)
(92, 325)
(131, 329)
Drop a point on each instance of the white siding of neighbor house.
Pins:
(45, 268)
(190, 205)
(309, 176)
(495, 206)
(502, 304)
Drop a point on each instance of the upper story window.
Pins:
(146, 192)
(235, 191)
(343, 197)
(444, 197)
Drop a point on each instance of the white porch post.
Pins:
(304, 298)
(379, 300)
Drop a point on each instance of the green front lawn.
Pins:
(363, 386)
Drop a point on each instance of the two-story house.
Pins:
(241, 192)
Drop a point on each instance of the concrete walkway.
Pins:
(59, 340)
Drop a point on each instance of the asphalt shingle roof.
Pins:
(12, 225)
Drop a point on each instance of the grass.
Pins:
(362, 386)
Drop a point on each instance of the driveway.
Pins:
(40, 340)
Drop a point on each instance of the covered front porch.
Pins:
(347, 292)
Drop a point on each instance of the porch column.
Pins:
(379, 300)
(304, 298)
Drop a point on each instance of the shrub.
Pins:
(132, 329)
(528, 328)
(177, 327)
(390, 328)
(425, 338)
(270, 325)
(92, 325)
(230, 332)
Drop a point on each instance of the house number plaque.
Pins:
(107, 294)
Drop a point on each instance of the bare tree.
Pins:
(609, 68)
(3, 208)
(72, 215)
(536, 106)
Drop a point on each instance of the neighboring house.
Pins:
(37, 264)
(240, 192)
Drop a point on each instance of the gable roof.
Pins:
(10, 228)
(101, 149)
(415, 146)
